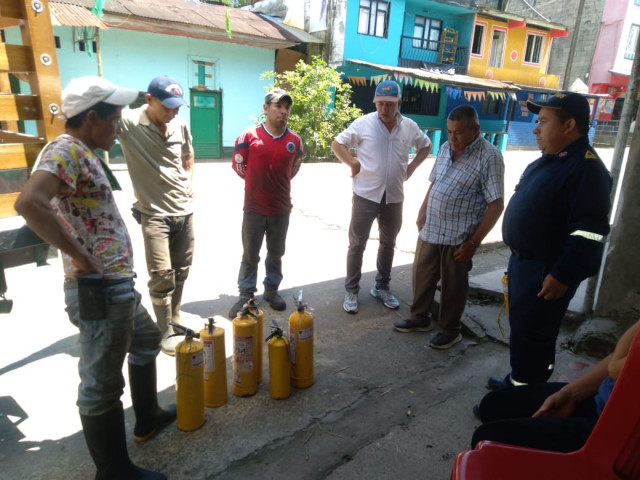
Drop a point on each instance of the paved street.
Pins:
(383, 405)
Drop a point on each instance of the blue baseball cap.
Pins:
(167, 90)
(387, 91)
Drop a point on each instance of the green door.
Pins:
(205, 123)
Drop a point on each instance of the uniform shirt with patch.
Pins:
(557, 196)
(86, 207)
(267, 164)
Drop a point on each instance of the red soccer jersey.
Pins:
(267, 165)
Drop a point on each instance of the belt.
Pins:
(71, 282)
(527, 254)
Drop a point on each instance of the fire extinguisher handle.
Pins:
(276, 331)
(187, 332)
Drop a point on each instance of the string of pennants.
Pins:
(403, 79)
(454, 93)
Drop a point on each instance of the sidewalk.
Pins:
(383, 404)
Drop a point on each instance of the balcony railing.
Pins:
(418, 53)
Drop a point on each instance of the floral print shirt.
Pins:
(86, 206)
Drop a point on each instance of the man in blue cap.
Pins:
(383, 139)
(555, 225)
(157, 146)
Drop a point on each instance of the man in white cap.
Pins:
(66, 202)
(157, 147)
(383, 139)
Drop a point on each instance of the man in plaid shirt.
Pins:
(463, 203)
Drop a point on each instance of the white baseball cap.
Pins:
(84, 92)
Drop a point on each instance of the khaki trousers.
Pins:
(433, 263)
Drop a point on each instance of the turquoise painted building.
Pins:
(132, 43)
(420, 44)
(434, 49)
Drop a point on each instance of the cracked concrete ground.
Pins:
(383, 404)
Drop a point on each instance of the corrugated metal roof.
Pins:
(67, 15)
(190, 19)
(293, 33)
(444, 78)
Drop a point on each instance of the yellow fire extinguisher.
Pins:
(505, 305)
(215, 365)
(189, 380)
(245, 353)
(259, 316)
(301, 338)
(279, 364)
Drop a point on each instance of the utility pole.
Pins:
(622, 235)
(566, 82)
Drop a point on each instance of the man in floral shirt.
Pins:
(68, 201)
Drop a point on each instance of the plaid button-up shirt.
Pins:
(461, 191)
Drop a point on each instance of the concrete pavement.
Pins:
(383, 405)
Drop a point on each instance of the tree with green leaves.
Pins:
(321, 105)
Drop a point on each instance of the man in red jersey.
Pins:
(267, 156)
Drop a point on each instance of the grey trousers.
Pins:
(363, 213)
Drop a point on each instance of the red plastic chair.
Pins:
(612, 451)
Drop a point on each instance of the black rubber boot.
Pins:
(105, 437)
(144, 395)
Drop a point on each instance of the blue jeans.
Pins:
(127, 328)
(254, 228)
(363, 213)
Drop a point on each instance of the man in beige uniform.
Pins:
(157, 147)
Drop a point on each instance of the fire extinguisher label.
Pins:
(305, 334)
(209, 363)
(197, 359)
(243, 353)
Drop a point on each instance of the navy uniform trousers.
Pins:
(535, 322)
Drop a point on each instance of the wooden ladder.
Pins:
(34, 63)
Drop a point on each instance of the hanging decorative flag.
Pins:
(454, 93)
(360, 81)
(378, 78)
(475, 96)
(227, 22)
(431, 87)
(96, 10)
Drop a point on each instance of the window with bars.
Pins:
(533, 50)
(426, 33)
(373, 18)
(419, 101)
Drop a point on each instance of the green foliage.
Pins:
(321, 105)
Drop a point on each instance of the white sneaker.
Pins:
(350, 304)
(386, 297)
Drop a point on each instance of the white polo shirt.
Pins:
(383, 155)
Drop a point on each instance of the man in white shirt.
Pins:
(383, 139)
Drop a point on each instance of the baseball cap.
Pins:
(167, 90)
(82, 93)
(275, 96)
(574, 104)
(387, 91)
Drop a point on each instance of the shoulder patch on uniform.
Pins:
(238, 158)
(291, 147)
(590, 155)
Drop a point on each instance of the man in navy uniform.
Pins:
(555, 225)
